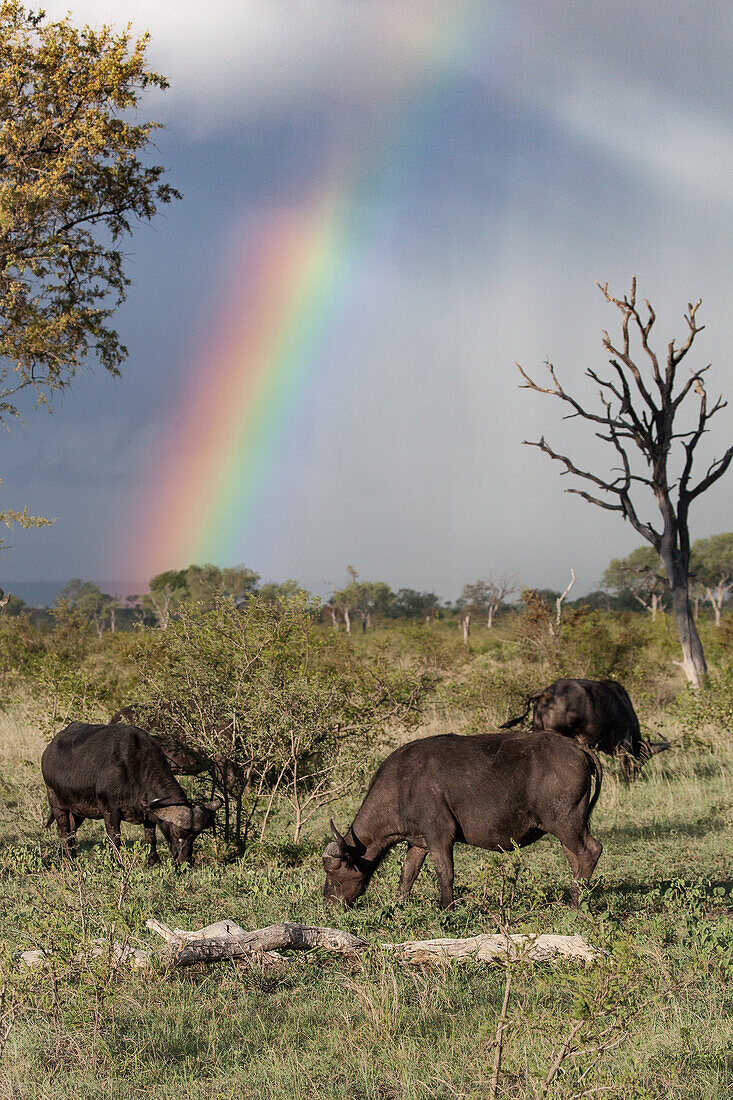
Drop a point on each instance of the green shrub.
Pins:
(297, 709)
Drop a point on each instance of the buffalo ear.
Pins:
(203, 815)
(339, 840)
(180, 816)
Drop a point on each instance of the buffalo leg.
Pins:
(629, 766)
(66, 828)
(151, 841)
(410, 869)
(442, 859)
(582, 853)
(112, 821)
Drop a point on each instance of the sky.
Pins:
(386, 205)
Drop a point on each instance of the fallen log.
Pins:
(226, 940)
(488, 947)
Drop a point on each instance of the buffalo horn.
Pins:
(340, 840)
(180, 816)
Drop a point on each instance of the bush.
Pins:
(706, 716)
(289, 705)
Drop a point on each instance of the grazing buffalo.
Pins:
(119, 773)
(225, 773)
(597, 713)
(494, 791)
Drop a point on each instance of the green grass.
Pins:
(372, 1029)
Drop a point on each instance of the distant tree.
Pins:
(499, 589)
(641, 574)
(599, 600)
(203, 584)
(712, 567)
(238, 582)
(408, 603)
(362, 598)
(639, 417)
(198, 584)
(88, 600)
(168, 591)
(473, 600)
(276, 591)
(15, 606)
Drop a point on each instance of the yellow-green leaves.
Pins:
(71, 185)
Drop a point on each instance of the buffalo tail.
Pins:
(520, 717)
(598, 769)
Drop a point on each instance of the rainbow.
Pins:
(247, 388)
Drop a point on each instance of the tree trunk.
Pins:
(693, 659)
(347, 619)
(716, 602)
(466, 626)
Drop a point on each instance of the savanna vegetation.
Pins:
(307, 711)
(303, 707)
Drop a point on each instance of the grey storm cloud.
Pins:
(572, 143)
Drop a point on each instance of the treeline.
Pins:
(634, 583)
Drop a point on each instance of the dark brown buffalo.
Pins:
(494, 791)
(225, 773)
(119, 773)
(597, 713)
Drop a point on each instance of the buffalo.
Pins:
(597, 713)
(119, 773)
(184, 760)
(492, 791)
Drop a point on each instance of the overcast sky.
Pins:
(507, 155)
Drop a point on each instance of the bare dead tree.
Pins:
(555, 627)
(498, 590)
(648, 590)
(715, 594)
(637, 418)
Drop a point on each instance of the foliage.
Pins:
(363, 598)
(71, 184)
(640, 574)
(408, 603)
(712, 558)
(10, 516)
(263, 686)
(198, 584)
(88, 601)
(711, 563)
(706, 716)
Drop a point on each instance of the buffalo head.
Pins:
(181, 824)
(347, 875)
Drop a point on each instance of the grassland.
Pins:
(656, 1019)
